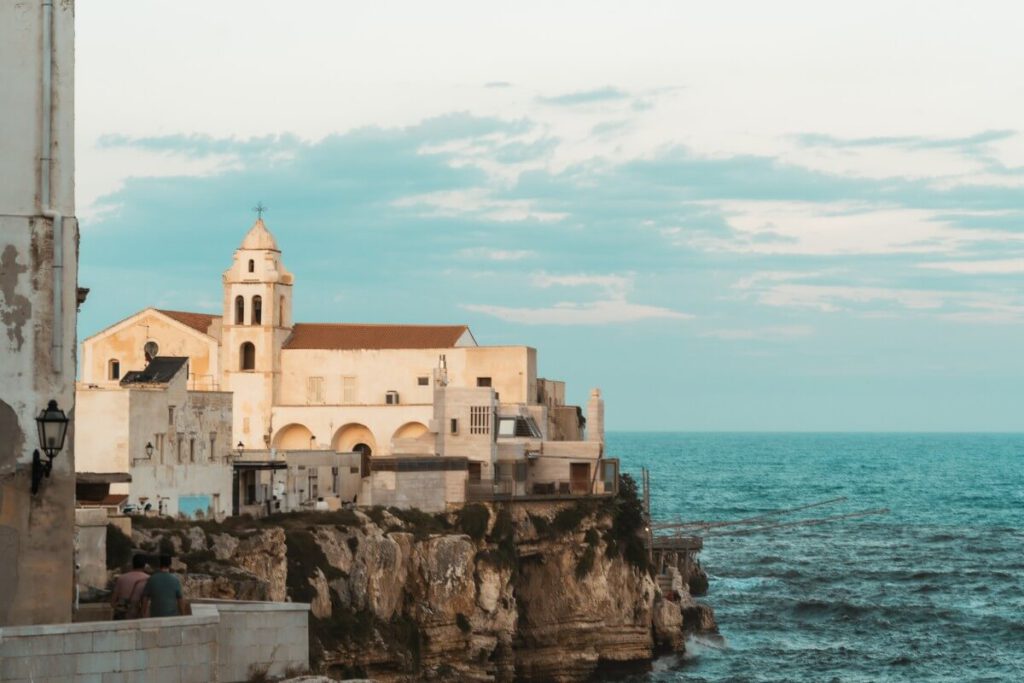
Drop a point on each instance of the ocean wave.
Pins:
(741, 585)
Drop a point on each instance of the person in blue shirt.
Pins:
(162, 595)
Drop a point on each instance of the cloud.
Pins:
(612, 307)
(487, 254)
(497, 84)
(964, 143)
(793, 290)
(606, 94)
(770, 333)
(479, 202)
(373, 202)
(615, 286)
(989, 267)
(592, 313)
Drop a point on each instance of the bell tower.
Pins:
(257, 320)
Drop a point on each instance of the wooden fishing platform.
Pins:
(677, 544)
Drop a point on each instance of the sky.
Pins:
(729, 216)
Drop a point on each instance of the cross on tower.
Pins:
(259, 209)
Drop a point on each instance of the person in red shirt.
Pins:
(126, 598)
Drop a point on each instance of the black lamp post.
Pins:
(53, 427)
(240, 447)
(149, 449)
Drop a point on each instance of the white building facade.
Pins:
(383, 391)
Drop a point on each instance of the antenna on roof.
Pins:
(259, 209)
(442, 370)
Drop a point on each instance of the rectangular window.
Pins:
(180, 441)
(479, 420)
(474, 472)
(314, 483)
(314, 389)
(213, 446)
(245, 425)
(483, 381)
(423, 381)
(348, 389)
(454, 425)
(160, 446)
(507, 426)
(170, 415)
(192, 450)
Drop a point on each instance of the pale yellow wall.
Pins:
(512, 370)
(126, 340)
(101, 437)
(341, 427)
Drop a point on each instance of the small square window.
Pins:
(423, 381)
(483, 381)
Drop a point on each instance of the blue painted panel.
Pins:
(190, 505)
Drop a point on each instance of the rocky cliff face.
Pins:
(550, 592)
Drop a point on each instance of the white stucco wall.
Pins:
(35, 532)
(120, 422)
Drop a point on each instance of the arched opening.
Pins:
(257, 311)
(348, 437)
(410, 430)
(252, 266)
(113, 369)
(365, 453)
(239, 310)
(293, 437)
(247, 357)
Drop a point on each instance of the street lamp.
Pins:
(53, 427)
(149, 449)
(240, 447)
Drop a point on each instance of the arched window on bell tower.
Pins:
(239, 310)
(252, 266)
(247, 356)
(257, 311)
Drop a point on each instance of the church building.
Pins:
(394, 394)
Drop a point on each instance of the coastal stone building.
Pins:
(175, 444)
(38, 298)
(384, 391)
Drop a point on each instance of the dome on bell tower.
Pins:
(259, 237)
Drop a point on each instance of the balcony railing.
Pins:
(553, 489)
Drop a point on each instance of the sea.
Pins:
(932, 590)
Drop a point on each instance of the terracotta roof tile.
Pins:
(358, 336)
(197, 321)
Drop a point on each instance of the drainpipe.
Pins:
(48, 211)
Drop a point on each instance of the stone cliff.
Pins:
(552, 591)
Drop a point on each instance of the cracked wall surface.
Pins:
(36, 532)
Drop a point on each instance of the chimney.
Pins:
(595, 417)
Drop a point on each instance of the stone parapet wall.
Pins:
(220, 641)
(270, 635)
(176, 648)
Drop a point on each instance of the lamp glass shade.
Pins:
(149, 448)
(53, 427)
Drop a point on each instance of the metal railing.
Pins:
(509, 489)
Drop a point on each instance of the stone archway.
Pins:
(410, 430)
(293, 437)
(347, 437)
